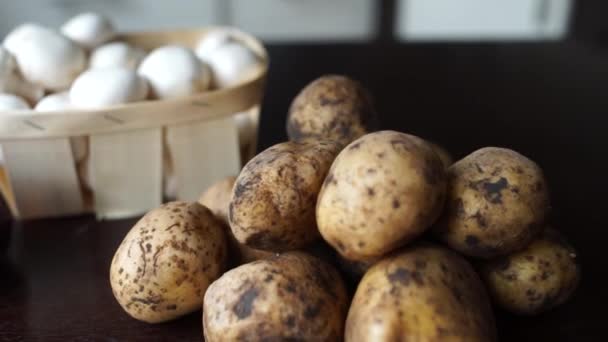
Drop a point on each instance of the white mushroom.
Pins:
(48, 59)
(11, 81)
(212, 40)
(89, 29)
(97, 88)
(174, 71)
(60, 102)
(232, 63)
(9, 102)
(14, 38)
(54, 102)
(117, 54)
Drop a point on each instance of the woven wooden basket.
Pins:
(128, 146)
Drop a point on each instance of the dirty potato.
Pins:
(535, 279)
(383, 190)
(166, 262)
(497, 203)
(421, 293)
(273, 200)
(331, 107)
(291, 297)
(217, 199)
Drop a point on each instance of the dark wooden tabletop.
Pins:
(547, 101)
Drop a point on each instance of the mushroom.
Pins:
(46, 58)
(14, 38)
(232, 63)
(174, 71)
(11, 81)
(116, 54)
(97, 88)
(89, 29)
(10, 102)
(212, 40)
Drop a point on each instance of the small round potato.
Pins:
(535, 279)
(497, 203)
(331, 107)
(273, 200)
(421, 293)
(382, 191)
(217, 199)
(166, 262)
(291, 297)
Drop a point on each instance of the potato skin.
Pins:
(497, 203)
(382, 191)
(273, 200)
(217, 199)
(332, 107)
(535, 279)
(422, 293)
(166, 262)
(292, 296)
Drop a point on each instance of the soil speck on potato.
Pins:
(244, 306)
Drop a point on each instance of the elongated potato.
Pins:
(291, 297)
(422, 293)
(273, 200)
(382, 191)
(166, 262)
(539, 277)
(497, 203)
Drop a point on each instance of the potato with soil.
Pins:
(331, 107)
(290, 297)
(166, 262)
(217, 199)
(382, 191)
(497, 203)
(273, 200)
(421, 293)
(535, 279)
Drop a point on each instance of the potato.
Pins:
(497, 203)
(382, 191)
(217, 199)
(535, 279)
(166, 262)
(422, 293)
(273, 200)
(331, 107)
(291, 297)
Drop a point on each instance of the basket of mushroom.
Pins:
(92, 120)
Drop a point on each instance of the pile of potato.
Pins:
(85, 65)
(427, 243)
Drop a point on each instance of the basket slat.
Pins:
(125, 169)
(203, 153)
(43, 178)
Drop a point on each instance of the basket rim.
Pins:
(30, 124)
